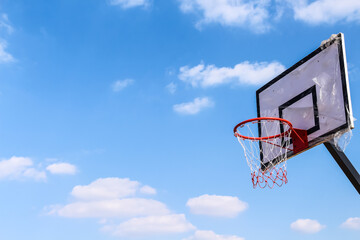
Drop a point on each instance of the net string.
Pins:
(266, 158)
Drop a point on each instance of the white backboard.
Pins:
(313, 94)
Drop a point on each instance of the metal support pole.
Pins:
(345, 165)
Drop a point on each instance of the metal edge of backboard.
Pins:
(346, 88)
(346, 95)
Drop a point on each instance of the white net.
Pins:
(266, 144)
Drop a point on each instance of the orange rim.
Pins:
(284, 121)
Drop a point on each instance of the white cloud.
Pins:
(130, 3)
(5, 57)
(110, 198)
(154, 225)
(308, 226)
(326, 11)
(121, 84)
(257, 15)
(19, 168)
(249, 14)
(62, 168)
(34, 174)
(171, 87)
(113, 208)
(210, 235)
(147, 190)
(106, 188)
(242, 73)
(194, 107)
(14, 166)
(352, 223)
(217, 206)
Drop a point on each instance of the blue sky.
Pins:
(117, 115)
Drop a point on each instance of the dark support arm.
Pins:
(345, 165)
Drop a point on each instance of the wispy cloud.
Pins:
(307, 226)
(242, 73)
(171, 87)
(18, 168)
(147, 190)
(210, 235)
(35, 174)
(125, 4)
(6, 29)
(5, 24)
(5, 57)
(352, 223)
(216, 206)
(62, 168)
(248, 14)
(119, 85)
(194, 107)
(326, 11)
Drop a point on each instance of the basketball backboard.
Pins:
(313, 95)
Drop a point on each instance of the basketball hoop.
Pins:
(266, 154)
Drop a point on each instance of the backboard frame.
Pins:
(339, 40)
